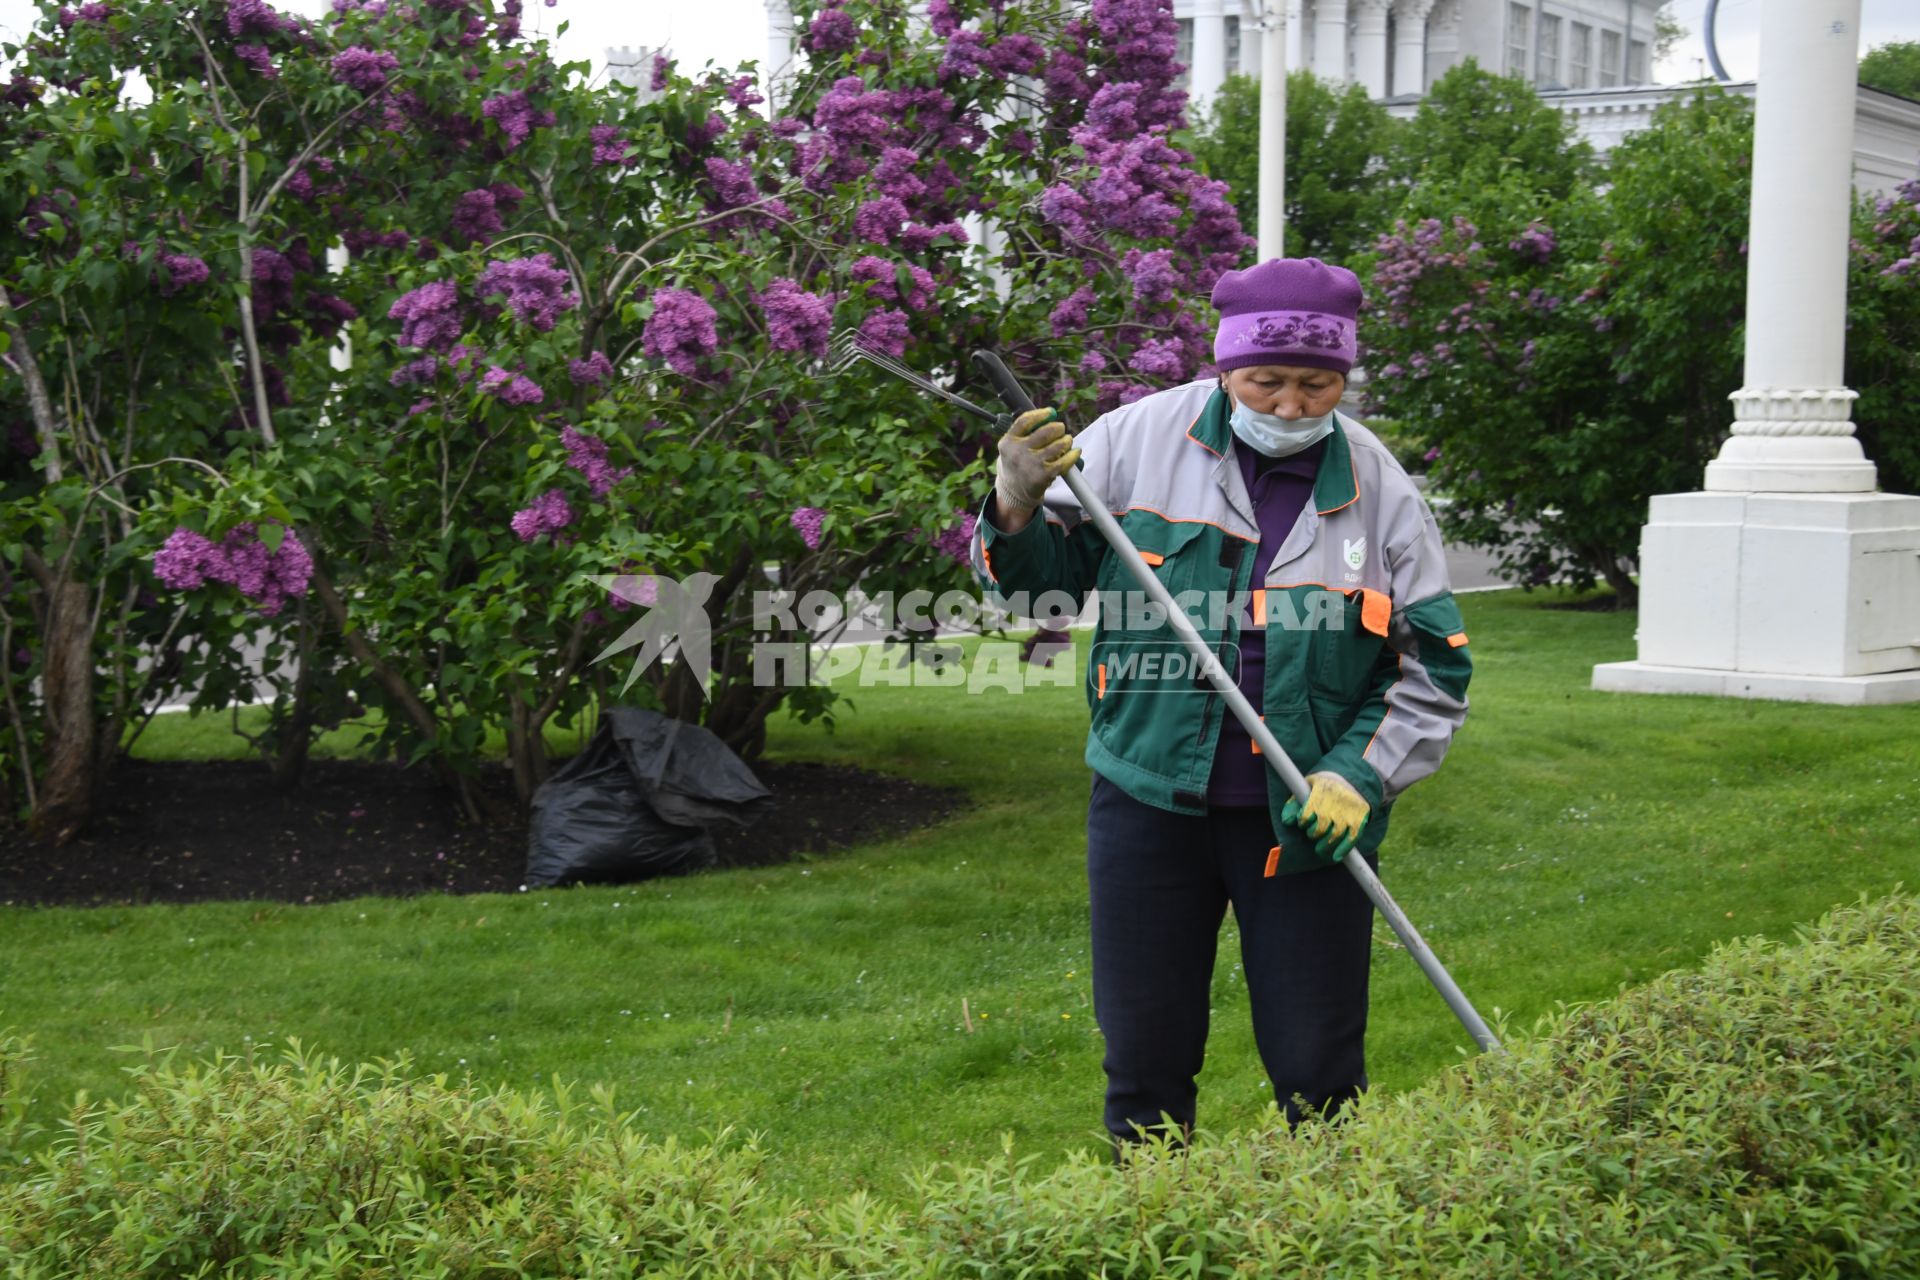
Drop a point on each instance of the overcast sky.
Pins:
(731, 31)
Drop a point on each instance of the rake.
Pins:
(848, 350)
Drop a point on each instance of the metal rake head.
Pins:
(846, 350)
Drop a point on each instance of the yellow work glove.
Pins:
(1334, 815)
(1035, 450)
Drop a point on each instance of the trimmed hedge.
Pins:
(1756, 1118)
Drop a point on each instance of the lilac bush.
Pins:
(586, 333)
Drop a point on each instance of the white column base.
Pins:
(1885, 689)
(1798, 464)
(1788, 595)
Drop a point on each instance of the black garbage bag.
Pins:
(641, 801)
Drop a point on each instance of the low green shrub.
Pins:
(15, 1054)
(1756, 1118)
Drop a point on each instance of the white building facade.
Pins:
(1397, 48)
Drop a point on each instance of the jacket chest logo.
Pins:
(1354, 552)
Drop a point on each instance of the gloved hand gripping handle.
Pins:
(1015, 398)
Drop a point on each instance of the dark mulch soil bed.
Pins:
(179, 831)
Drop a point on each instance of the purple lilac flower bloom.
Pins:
(364, 69)
(918, 238)
(476, 215)
(879, 220)
(1016, 55)
(256, 18)
(702, 132)
(184, 561)
(183, 271)
(732, 182)
(831, 32)
(966, 52)
(662, 68)
(1065, 208)
(852, 114)
(189, 560)
(680, 330)
(272, 281)
(588, 455)
(883, 279)
(954, 540)
(415, 371)
(1093, 362)
(886, 331)
(1536, 242)
(1160, 358)
(259, 57)
(796, 320)
(741, 93)
(1153, 274)
(537, 291)
(941, 17)
(1120, 392)
(1070, 314)
(1431, 455)
(548, 514)
(592, 371)
(1142, 36)
(429, 316)
(94, 12)
(609, 145)
(511, 388)
(894, 174)
(808, 521)
(516, 116)
(330, 313)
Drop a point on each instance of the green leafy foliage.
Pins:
(1754, 1118)
(1336, 183)
(1566, 350)
(1475, 129)
(1893, 67)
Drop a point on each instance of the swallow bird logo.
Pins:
(676, 617)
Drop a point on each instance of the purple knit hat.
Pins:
(1297, 311)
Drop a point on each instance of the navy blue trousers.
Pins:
(1159, 887)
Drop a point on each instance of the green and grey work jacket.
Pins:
(1366, 656)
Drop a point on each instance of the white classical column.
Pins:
(1789, 577)
(1249, 10)
(1410, 46)
(1209, 52)
(1443, 39)
(1330, 40)
(1370, 45)
(1272, 177)
(779, 60)
(1792, 429)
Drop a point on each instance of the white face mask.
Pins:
(1278, 437)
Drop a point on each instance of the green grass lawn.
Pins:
(1574, 842)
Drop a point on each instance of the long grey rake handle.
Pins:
(1016, 399)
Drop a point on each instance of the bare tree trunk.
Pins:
(66, 796)
(522, 737)
(291, 759)
(1626, 592)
